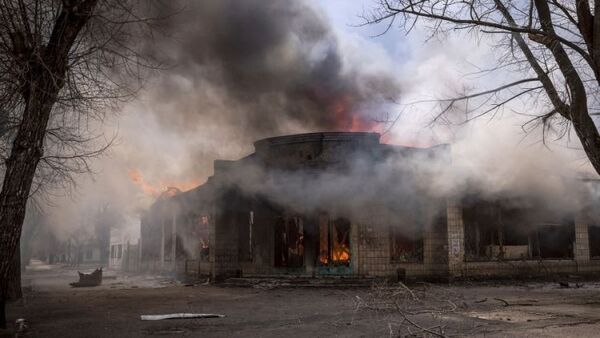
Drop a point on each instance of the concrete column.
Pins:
(456, 243)
(139, 252)
(162, 244)
(212, 230)
(354, 247)
(582, 246)
(174, 243)
(125, 267)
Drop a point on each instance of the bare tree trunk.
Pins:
(20, 169)
(14, 291)
(14, 284)
(42, 79)
(588, 135)
(2, 313)
(584, 126)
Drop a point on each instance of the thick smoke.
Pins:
(233, 72)
(241, 71)
(264, 68)
(238, 71)
(476, 167)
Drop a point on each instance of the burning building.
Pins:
(342, 203)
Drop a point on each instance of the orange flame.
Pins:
(169, 188)
(347, 119)
(137, 178)
(323, 259)
(340, 254)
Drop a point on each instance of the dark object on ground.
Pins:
(20, 326)
(86, 280)
(180, 316)
(567, 285)
(502, 300)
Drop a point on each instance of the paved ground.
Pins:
(52, 309)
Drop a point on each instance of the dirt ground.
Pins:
(53, 309)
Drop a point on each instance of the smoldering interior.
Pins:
(344, 204)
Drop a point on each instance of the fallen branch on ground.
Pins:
(417, 308)
(503, 301)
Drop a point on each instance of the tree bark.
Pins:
(14, 284)
(42, 79)
(583, 124)
(20, 169)
(2, 313)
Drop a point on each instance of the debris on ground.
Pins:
(181, 316)
(503, 301)
(196, 282)
(88, 279)
(268, 285)
(566, 285)
(406, 309)
(20, 326)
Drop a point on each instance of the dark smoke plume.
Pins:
(235, 72)
(268, 65)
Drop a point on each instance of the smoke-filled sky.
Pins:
(238, 71)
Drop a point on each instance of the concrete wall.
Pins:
(224, 232)
(371, 240)
(373, 254)
(370, 237)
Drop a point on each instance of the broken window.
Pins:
(594, 241)
(203, 237)
(407, 245)
(119, 251)
(324, 239)
(289, 242)
(554, 241)
(334, 241)
(438, 237)
(112, 251)
(496, 231)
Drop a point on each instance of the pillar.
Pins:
(139, 252)
(456, 233)
(581, 246)
(174, 243)
(162, 244)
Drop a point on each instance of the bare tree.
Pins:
(551, 46)
(63, 64)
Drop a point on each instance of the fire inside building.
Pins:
(266, 215)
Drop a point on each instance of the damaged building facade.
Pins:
(344, 204)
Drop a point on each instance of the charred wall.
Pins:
(273, 212)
